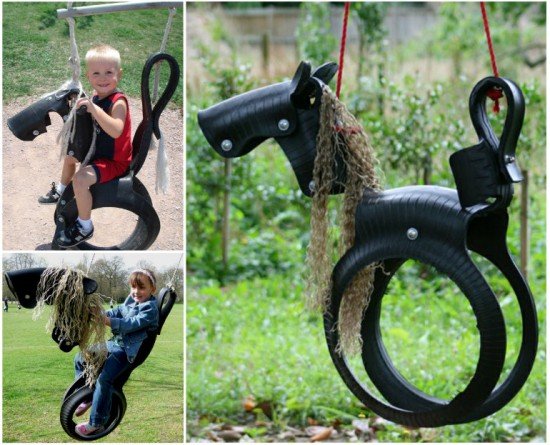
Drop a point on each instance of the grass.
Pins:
(36, 374)
(35, 57)
(255, 337)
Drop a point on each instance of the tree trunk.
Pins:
(524, 223)
(265, 54)
(226, 213)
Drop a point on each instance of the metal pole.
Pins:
(106, 8)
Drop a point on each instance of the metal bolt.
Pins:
(27, 297)
(63, 202)
(311, 186)
(60, 219)
(71, 153)
(283, 125)
(67, 342)
(412, 233)
(509, 159)
(36, 132)
(227, 145)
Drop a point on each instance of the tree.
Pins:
(111, 276)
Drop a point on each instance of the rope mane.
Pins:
(340, 137)
(79, 317)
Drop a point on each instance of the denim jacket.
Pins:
(130, 322)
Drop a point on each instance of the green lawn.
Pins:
(35, 58)
(36, 374)
(255, 337)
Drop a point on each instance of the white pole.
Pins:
(105, 8)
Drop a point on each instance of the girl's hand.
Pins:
(106, 320)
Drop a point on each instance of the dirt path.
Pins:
(30, 167)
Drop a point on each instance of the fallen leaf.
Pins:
(249, 403)
(322, 435)
(267, 408)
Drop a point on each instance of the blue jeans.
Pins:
(116, 363)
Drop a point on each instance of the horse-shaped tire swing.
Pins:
(23, 284)
(126, 192)
(432, 225)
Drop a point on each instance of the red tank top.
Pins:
(107, 147)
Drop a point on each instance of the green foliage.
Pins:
(371, 17)
(316, 43)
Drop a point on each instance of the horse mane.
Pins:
(340, 138)
(77, 316)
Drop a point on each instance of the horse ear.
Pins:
(326, 72)
(301, 78)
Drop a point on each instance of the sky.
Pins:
(162, 260)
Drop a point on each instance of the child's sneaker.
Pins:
(51, 197)
(74, 235)
(85, 429)
(82, 408)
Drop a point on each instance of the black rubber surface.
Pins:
(384, 219)
(85, 394)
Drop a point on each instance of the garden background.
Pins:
(257, 364)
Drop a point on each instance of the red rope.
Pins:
(342, 49)
(495, 94)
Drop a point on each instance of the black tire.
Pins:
(85, 394)
(137, 201)
(76, 385)
(459, 268)
(402, 394)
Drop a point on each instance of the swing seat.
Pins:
(33, 120)
(126, 192)
(78, 392)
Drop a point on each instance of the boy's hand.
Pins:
(85, 101)
(106, 320)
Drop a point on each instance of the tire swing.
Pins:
(126, 192)
(23, 284)
(433, 225)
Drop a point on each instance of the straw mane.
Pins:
(340, 137)
(79, 317)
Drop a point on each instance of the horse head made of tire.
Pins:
(126, 192)
(436, 226)
(24, 284)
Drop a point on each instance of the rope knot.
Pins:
(495, 94)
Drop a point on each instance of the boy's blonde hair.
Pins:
(103, 52)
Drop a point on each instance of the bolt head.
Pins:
(412, 233)
(36, 132)
(283, 125)
(63, 202)
(227, 145)
(311, 186)
(60, 219)
(27, 297)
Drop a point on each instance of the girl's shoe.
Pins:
(82, 408)
(85, 429)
